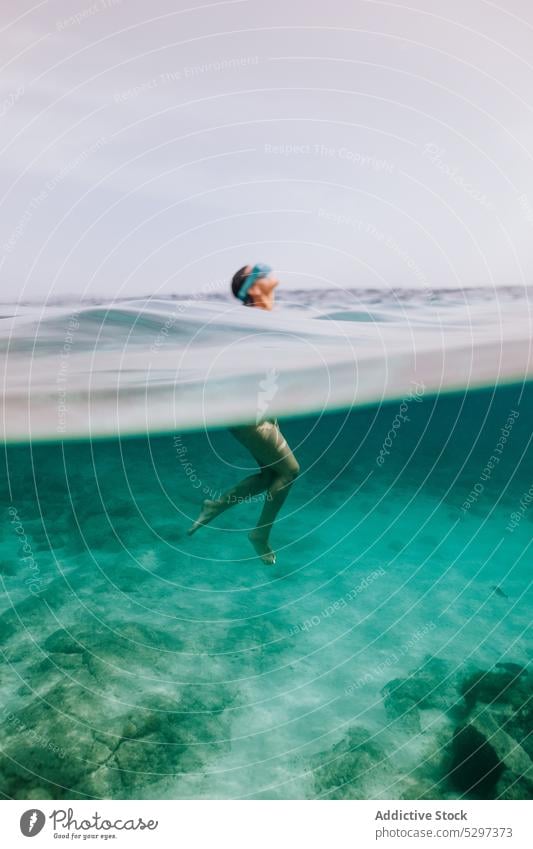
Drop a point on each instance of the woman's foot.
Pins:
(260, 543)
(209, 510)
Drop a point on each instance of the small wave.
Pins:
(157, 364)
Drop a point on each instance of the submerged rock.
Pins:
(107, 654)
(487, 755)
(476, 767)
(406, 767)
(103, 716)
(32, 619)
(491, 750)
(517, 780)
(509, 685)
(402, 698)
(59, 743)
(515, 668)
(430, 687)
(487, 762)
(352, 769)
(506, 694)
(162, 739)
(51, 742)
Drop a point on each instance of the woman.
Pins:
(278, 467)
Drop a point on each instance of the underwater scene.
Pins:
(384, 655)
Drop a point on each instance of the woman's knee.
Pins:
(290, 471)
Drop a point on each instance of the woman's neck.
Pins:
(264, 301)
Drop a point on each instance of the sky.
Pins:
(155, 148)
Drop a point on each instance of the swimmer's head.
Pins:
(254, 286)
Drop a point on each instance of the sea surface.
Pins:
(387, 653)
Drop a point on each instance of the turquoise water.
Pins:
(141, 663)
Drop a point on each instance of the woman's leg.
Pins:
(268, 445)
(279, 468)
(285, 472)
(247, 488)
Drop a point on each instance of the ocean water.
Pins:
(385, 655)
